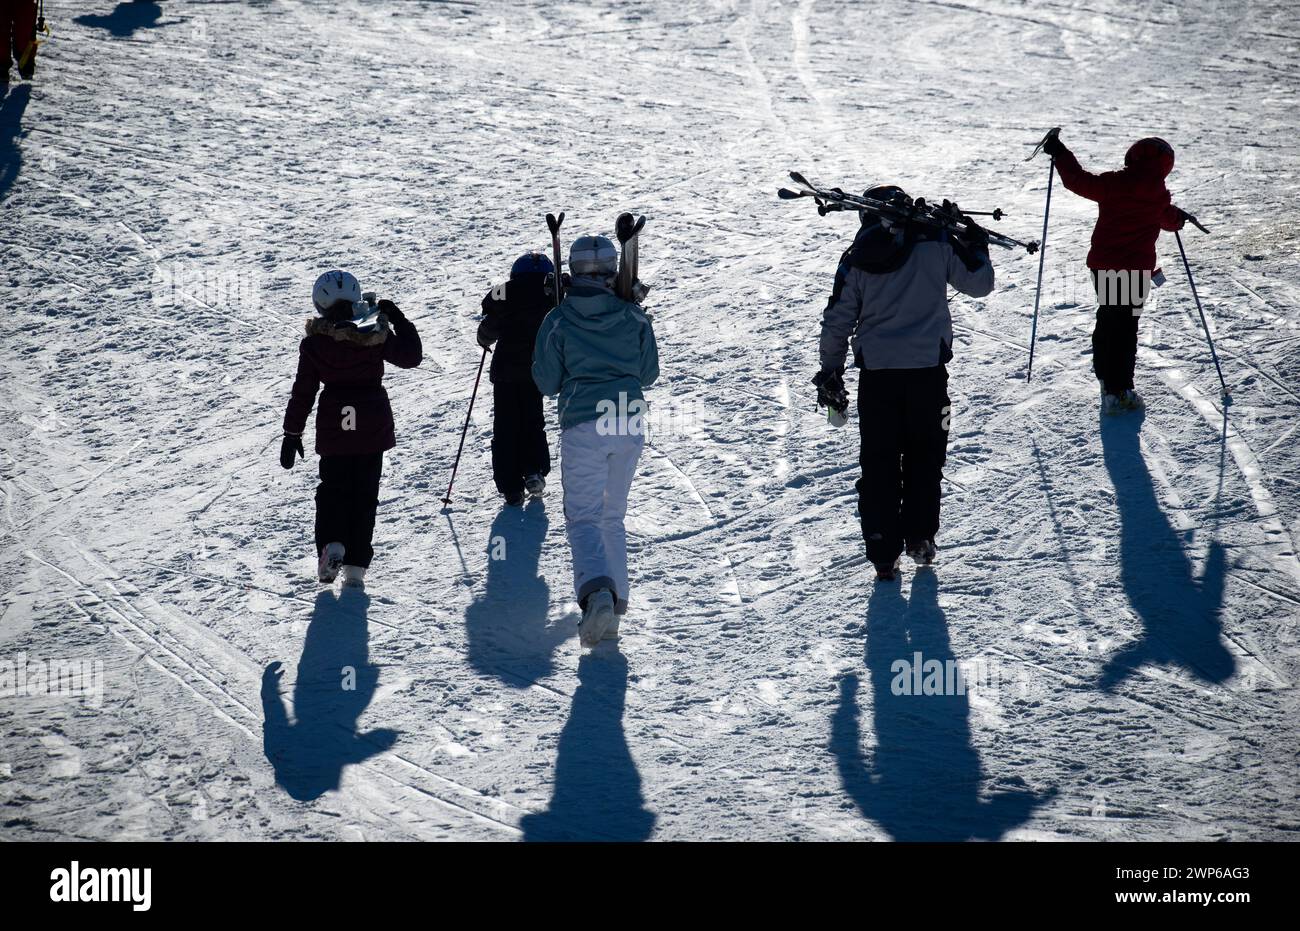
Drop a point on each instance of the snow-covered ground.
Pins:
(1124, 599)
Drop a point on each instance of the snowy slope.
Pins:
(1127, 598)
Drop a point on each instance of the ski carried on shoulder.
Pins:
(946, 216)
(553, 224)
(628, 285)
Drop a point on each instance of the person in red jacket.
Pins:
(17, 38)
(1133, 206)
(345, 349)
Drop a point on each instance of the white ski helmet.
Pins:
(334, 291)
(593, 257)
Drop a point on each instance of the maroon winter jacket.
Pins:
(354, 416)
(1133, 205)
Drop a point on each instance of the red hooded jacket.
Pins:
(1133, 205)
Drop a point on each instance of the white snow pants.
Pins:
(596, 471)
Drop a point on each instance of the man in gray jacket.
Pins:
(891, 303)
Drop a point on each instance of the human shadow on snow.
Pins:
(921, 781)
(126, 18)
(506, 630)
(335, 685)
(1181, 623)
(11, 127)
(597, 793)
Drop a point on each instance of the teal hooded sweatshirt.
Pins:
(590, 350)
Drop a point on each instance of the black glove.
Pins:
(483, 340)
(1053, 145)
(976, 235)
(288, 446)
(830, 389)
(390, 310)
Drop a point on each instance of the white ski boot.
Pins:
(597, 617)
(1130, 400)
(331, 558)
(535, 485)
(1111, 404)
(354, 576)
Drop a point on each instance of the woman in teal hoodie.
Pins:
(597, 352)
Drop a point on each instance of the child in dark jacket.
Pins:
(1133, 206)
(512, 313)
(345, 350)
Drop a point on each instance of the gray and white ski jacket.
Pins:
(891, 299)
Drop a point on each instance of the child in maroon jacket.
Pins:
(1133, 206)
(345, 350)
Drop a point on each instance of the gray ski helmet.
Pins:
(593, 257)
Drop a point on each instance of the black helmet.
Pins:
(890, 194)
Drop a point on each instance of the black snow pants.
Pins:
(346, 499)
(903, 417)
(519, 446)
(1114, 340)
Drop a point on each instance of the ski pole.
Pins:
(1042, 255)
(1227, 396)
(447, 498)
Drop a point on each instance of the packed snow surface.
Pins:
(1121, 598)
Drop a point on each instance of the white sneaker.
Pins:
(597, 617)
(354, 576)
(331, 558)
(535, 485)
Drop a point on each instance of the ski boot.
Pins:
(354, 576)
(515, 499)
(535, 485)
(597, 617)
(1130, 400)
(1110, 404)
(331, 558)
(923, 553)
(886, 572)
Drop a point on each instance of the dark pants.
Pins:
(519, 445)
(346, 499)
(903, 417)
(1114, 343)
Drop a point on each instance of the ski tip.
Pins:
(784, 193)
(799, 179)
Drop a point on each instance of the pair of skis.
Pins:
(945, 216)
(627, 284)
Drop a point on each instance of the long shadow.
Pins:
(1180, 615)
(597, 793)
(335, 684)
(922, 780)
(11, 127)
(126, 19)
(506, 627)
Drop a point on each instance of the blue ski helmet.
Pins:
(531, 263)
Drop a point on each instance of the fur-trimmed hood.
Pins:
(346, 332)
